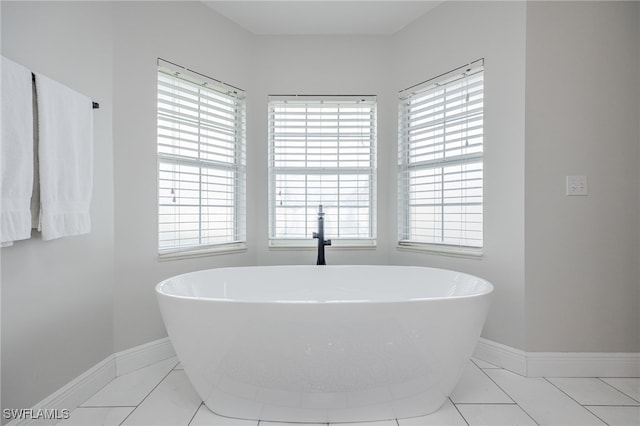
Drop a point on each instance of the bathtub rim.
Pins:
(158, 288)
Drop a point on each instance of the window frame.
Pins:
(307, 241)
(236, 167)
(405, 240)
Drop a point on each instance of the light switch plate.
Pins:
(577, 185)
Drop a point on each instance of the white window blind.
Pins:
(441, 160)
(201, 162)
(322, 150)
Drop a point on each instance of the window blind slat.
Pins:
(175, 81)
(188, 124)
(473, 86)
(173, 96)
(201, 120)
(441, 118)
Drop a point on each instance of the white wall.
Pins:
(319, 65)
(494, 31)
(582, 278)
(186, 33)
(57, 296)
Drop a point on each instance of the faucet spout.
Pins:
(320, 237)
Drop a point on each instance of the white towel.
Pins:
(16, 153)
(65, 122)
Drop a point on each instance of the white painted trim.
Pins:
(583, 364)
(502, 356)
(80, 389)
(73, 393)
(143, 355)
(558, 364)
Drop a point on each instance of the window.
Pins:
(322, 152)
(201, 162)
(440, 160)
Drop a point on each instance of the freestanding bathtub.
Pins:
(324, 343)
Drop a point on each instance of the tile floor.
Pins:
(486, 395)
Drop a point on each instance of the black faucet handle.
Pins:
(315, 235)
(327, 242)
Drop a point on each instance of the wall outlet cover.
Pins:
(577, 185)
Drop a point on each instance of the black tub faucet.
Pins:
(320, 236)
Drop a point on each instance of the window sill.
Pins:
(313, 244)
(202, 252)
(444, 250)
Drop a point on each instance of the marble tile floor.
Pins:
(160, 395)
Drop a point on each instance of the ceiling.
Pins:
(331, 17)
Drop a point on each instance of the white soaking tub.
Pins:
(324, 343)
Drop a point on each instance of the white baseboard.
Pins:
(72, 394)
(143, 355)
(589, 364)
(501, 356)
(558, 364)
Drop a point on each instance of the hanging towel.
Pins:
(65, 123)
(16, 153)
